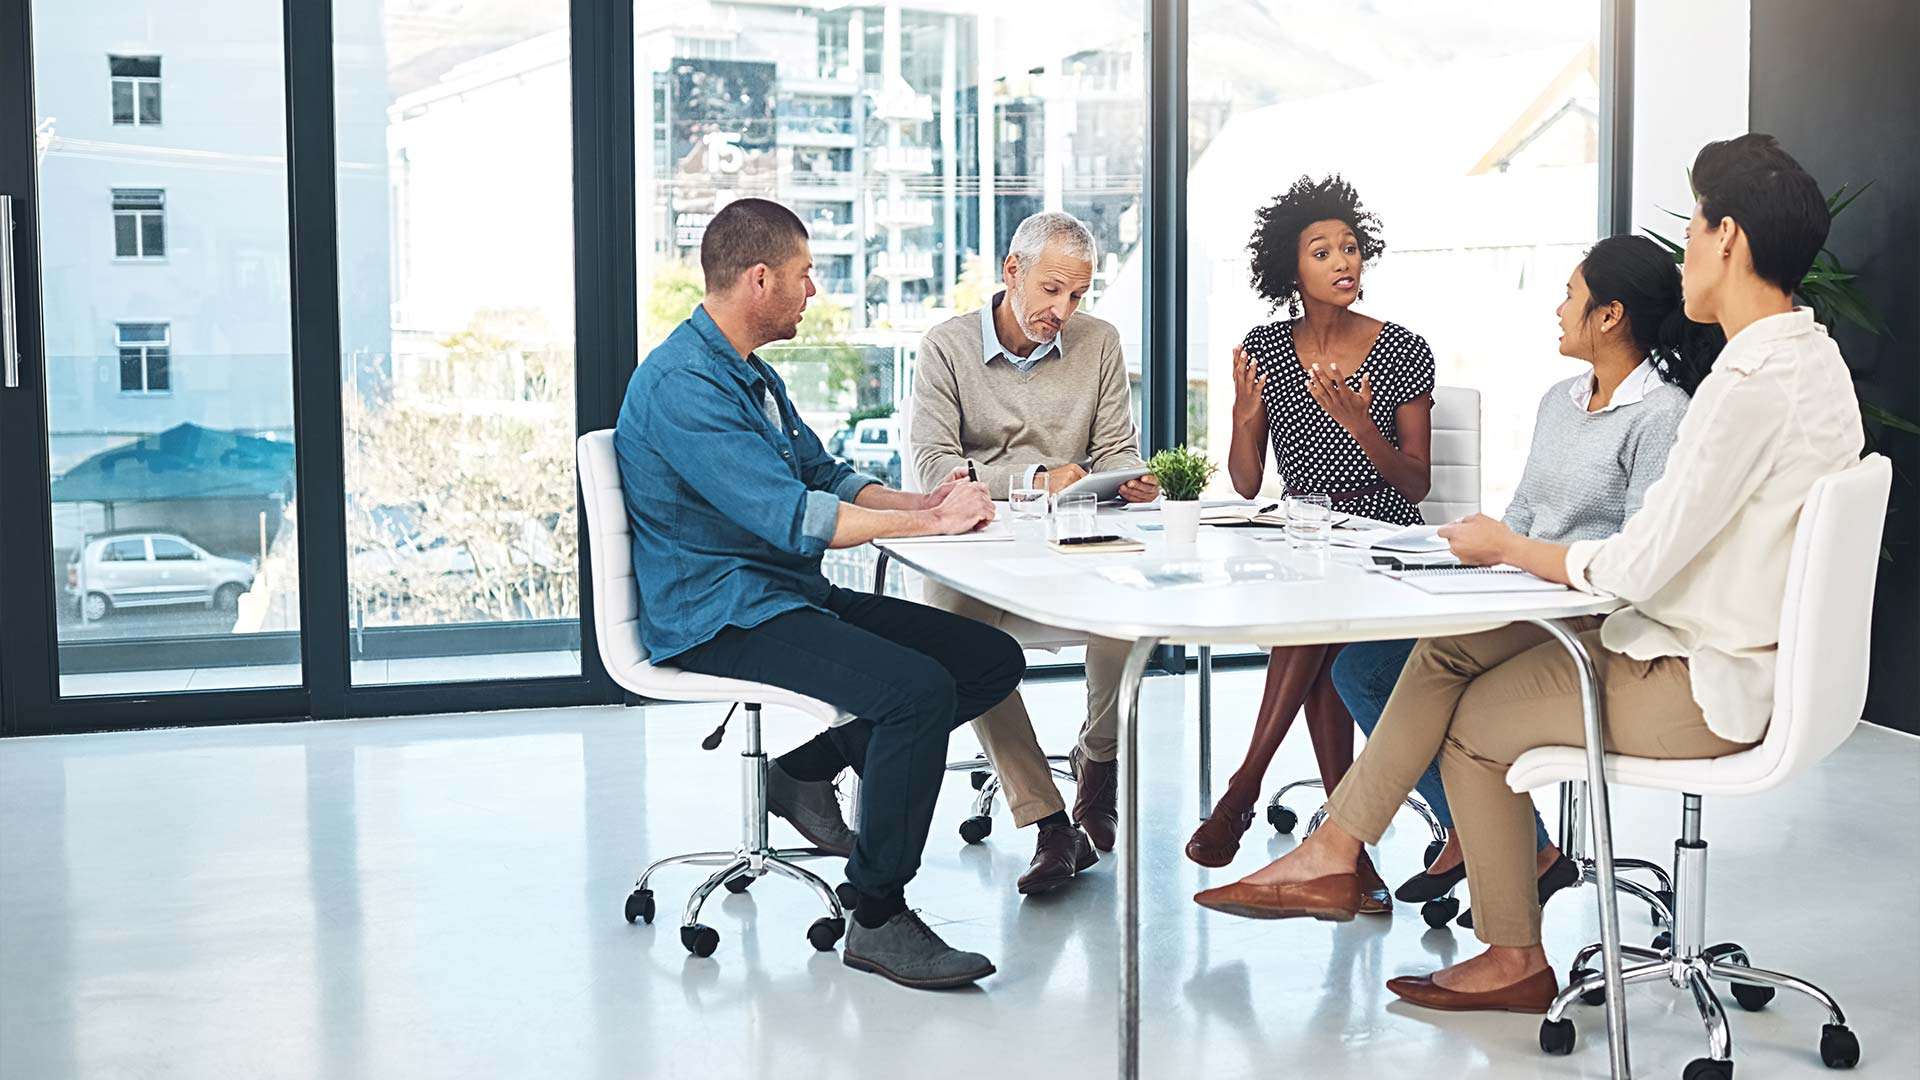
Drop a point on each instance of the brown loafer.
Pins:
(1217, 840)
(1096, 798)
(1532, 994)
(1374, 897)
(1334, 898)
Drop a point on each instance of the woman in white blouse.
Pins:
(1686, 667)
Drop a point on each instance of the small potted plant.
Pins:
(1183, 475)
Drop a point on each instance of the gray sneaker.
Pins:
(812, 808)
(907, 951)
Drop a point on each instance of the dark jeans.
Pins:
(909, 673)
(1365, 675)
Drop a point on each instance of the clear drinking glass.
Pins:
(1027, 512)
(1074, 516)
(1309, 520)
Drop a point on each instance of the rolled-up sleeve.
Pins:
(718, 454)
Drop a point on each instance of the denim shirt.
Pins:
(731, 512)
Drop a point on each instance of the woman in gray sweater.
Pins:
(1600, 440)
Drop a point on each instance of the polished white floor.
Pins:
(440, 897)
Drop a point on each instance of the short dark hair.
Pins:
(744, 234)
(1275, 246)
(1777, 204)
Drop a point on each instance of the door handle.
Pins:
(9, 333)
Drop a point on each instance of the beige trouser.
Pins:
(1479, 702)
(1006, 732)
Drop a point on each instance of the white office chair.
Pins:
(1455, 493)
(616, 606)
(1819, 688)
(1031, 635)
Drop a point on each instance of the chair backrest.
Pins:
(1826, 616)
(616, 595)
(1456, 456)
(909, 467)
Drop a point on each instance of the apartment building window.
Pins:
(136, 89)
(139, 223)
(145, 354)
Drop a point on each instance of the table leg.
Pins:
(1599, 814)
(1206, 731)
(1130, 677)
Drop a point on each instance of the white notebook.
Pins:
(1475, 579)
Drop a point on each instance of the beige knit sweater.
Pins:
(1074, 407)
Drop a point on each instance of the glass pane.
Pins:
(459, 395)
(213, 464)
(912, 143)
(153, 235)
(126, 241)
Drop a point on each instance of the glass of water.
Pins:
(1309, 520)
(1075, 516)
(1027, 512)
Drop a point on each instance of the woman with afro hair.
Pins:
(1346, 402)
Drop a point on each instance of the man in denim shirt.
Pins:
(733, 501)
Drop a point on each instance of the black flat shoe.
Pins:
(1425, 886)
(1563, 874)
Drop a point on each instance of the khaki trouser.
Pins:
(1006, 732)
(1480, 701)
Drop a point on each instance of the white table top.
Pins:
(1318, 598)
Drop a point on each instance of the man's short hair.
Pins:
(1779, 206)
(744, 234)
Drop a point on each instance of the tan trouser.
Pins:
(1479, 702)
(1006, 732)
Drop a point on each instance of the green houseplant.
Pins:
(1183, 475)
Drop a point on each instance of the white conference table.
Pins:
(1275, 595)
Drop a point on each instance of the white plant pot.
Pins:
(1182, 521)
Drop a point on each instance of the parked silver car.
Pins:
(127, 570)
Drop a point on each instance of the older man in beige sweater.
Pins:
(1034, 393)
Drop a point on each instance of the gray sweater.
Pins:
(1587, 473)
(1074, 407)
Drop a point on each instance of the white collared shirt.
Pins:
(1631, 391)
(1704, 563)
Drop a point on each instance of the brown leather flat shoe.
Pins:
(1334, 898)
(1532, 994)
(1374, 897)
(1217, 840)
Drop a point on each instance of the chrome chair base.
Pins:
(1682, 960)
(754, 858)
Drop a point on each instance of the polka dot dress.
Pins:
(1314, 453)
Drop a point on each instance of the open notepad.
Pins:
(1474, 579)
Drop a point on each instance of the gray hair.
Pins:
(1052, 227)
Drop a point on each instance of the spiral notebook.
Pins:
(1451, 580)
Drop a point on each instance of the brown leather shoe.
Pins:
(1532, 994)
(1374, 897)
(1096, 798)
(1217, 840)
(1061, 852)
(1334, 898)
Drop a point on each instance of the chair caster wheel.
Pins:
(700, 940)
(739, 884)
(1666, 897)
(1752, 997)
(1591, 997)
(640, 906)
(1707, 1069)
(978, 778)
(975, 829)
(1556, 1037)
(1663, 942)
(825, 933)
(1838, 1047)
(1433, 851)
(1439, 913)
(847, 895)
(1282, 819)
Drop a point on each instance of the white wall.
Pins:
(1691, 62)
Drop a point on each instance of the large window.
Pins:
(1470, 128)
(912, 141)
